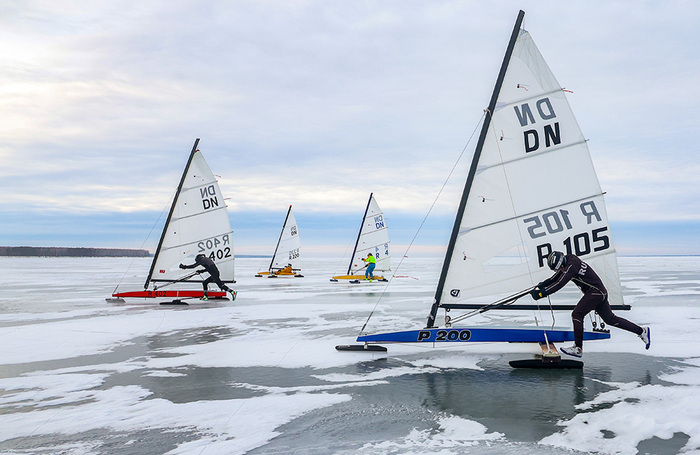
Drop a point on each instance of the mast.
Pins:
(269, 269)
(170, 215)
(359, 234)
(472, 169)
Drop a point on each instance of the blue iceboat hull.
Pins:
(480, 334)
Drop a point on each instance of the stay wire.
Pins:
(142, 244)
(425, 218)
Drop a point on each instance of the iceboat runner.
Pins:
(197, 223)
(286, 261)
(519, 204)
(373, 238)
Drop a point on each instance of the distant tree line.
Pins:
(71, 252)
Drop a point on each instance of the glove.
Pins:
(537, 293)
(182, 266)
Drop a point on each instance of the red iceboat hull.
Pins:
(148, 294)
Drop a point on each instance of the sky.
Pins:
(317, 104)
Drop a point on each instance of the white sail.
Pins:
(535, 190)
(288, 247)
(198, 224)
(373, 238)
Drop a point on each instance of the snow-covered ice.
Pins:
(79, 375)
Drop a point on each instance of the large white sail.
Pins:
(535, 190)
(531, 189)
(198, 224)
(373, 238)
(288, 247)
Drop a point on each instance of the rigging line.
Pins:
(141, 247)
(341, 261)
(497, 304)
(425, 218)
(184, 278)
(261, 267)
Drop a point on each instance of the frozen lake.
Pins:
(79, 375)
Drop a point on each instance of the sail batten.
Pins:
(196, 214)
(465, 229)
(503, 104)
(194, 242)
(514, 160)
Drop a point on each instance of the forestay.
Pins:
(534, 190)
(288, 247)
(373, 238)
(198, 223)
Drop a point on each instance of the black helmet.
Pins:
(556, 259)
(199, 256)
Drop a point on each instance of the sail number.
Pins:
(209, 198)
(379, 222)
(216, 247)
(378, 250)
(156, 293)
(445, 335)
(557, 221)
(293, 254)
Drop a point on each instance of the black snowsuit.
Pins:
(595, 296)
(212, 269)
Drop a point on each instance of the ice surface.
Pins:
(261, 375)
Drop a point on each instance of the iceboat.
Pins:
(531, 189)
(286, 260)
(198, 223)
(373, 237)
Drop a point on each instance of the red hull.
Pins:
(148, 294)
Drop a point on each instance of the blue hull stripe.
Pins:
(479, 334)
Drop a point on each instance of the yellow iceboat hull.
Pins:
(358, 277)
(287, 271)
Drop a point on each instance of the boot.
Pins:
(573, 351)
(646, 336)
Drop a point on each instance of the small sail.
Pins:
(533, 190)
(198, 224)
(287, 252)
(373, 238)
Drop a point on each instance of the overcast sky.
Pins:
(319, 103)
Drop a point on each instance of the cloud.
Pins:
(319, 103)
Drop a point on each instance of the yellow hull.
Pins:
(287, 271)
(358, 277)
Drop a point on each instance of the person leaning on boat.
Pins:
(371, 264)
(595, 297)
(214, 275)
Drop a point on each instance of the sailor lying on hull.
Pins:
(595, 297)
